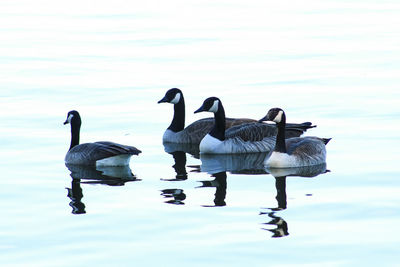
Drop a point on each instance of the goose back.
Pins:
(195, 132)
(94, 153)
(251, 131)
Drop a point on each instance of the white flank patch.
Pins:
(214, 107)
(209, 144)
(281, 160)
(278, 117)
(120, 160)
(176, 98)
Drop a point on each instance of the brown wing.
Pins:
(89, 153)
(305, 147)
(230, 122)
(198, 129)
(251, 131)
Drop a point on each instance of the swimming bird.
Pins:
(193, 133)
(245, 138)
(296, 151)
(98, 153)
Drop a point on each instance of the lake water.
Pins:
(334, 63)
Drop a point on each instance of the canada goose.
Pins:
(193, 133)
(245, 138)
(98, 153)
(293, 152)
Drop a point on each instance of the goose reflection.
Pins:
(219, 183)
(76, 195)
(219, 164)
(178, 151)
(177, 196)
(179, 166)
(192, 149)
(251, 163)
(107, 175)
(280, 175)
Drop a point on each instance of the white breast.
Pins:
(209, 144)
(281, 160)
(169, 136)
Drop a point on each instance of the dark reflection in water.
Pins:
(219, 165)
(76, 195)
(280, 175)
(177, 196)
(112, 176)
(178, 152)
(192, 149)
(251, 163)
(281, 225)
(219, 183)
(281, 229)
(179, 166)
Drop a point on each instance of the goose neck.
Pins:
(75, 130)
(218, 130)
(178, 121)
(280, 145)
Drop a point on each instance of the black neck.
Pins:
(180, 164)
(280, 145)
(178, 122)
(218, 131)
(75, 129)
(220, 193)
(280, 185)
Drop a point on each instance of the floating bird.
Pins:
(193, 133)
(296, 151)
(245, 138)
(97, 153)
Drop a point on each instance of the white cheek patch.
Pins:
(278, 117)
(70, 118)
(214, 107)
(176, 98)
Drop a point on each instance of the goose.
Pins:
(98, 153)
(193, 133)
(296, 151)
(245, 138)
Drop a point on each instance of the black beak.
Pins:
(66, 122)
(200, 109)
(163, 100)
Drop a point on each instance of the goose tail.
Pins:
(326, 140)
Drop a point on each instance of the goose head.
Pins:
(74, 119)
(274, 114)
(173, 96)
(211, 104)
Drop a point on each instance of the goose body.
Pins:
(250, 137)
(240, 140)
(193, 133)
(296, 151)
(102, 153)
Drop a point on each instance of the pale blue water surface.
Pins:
(335, 63)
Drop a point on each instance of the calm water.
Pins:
(335, 63)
